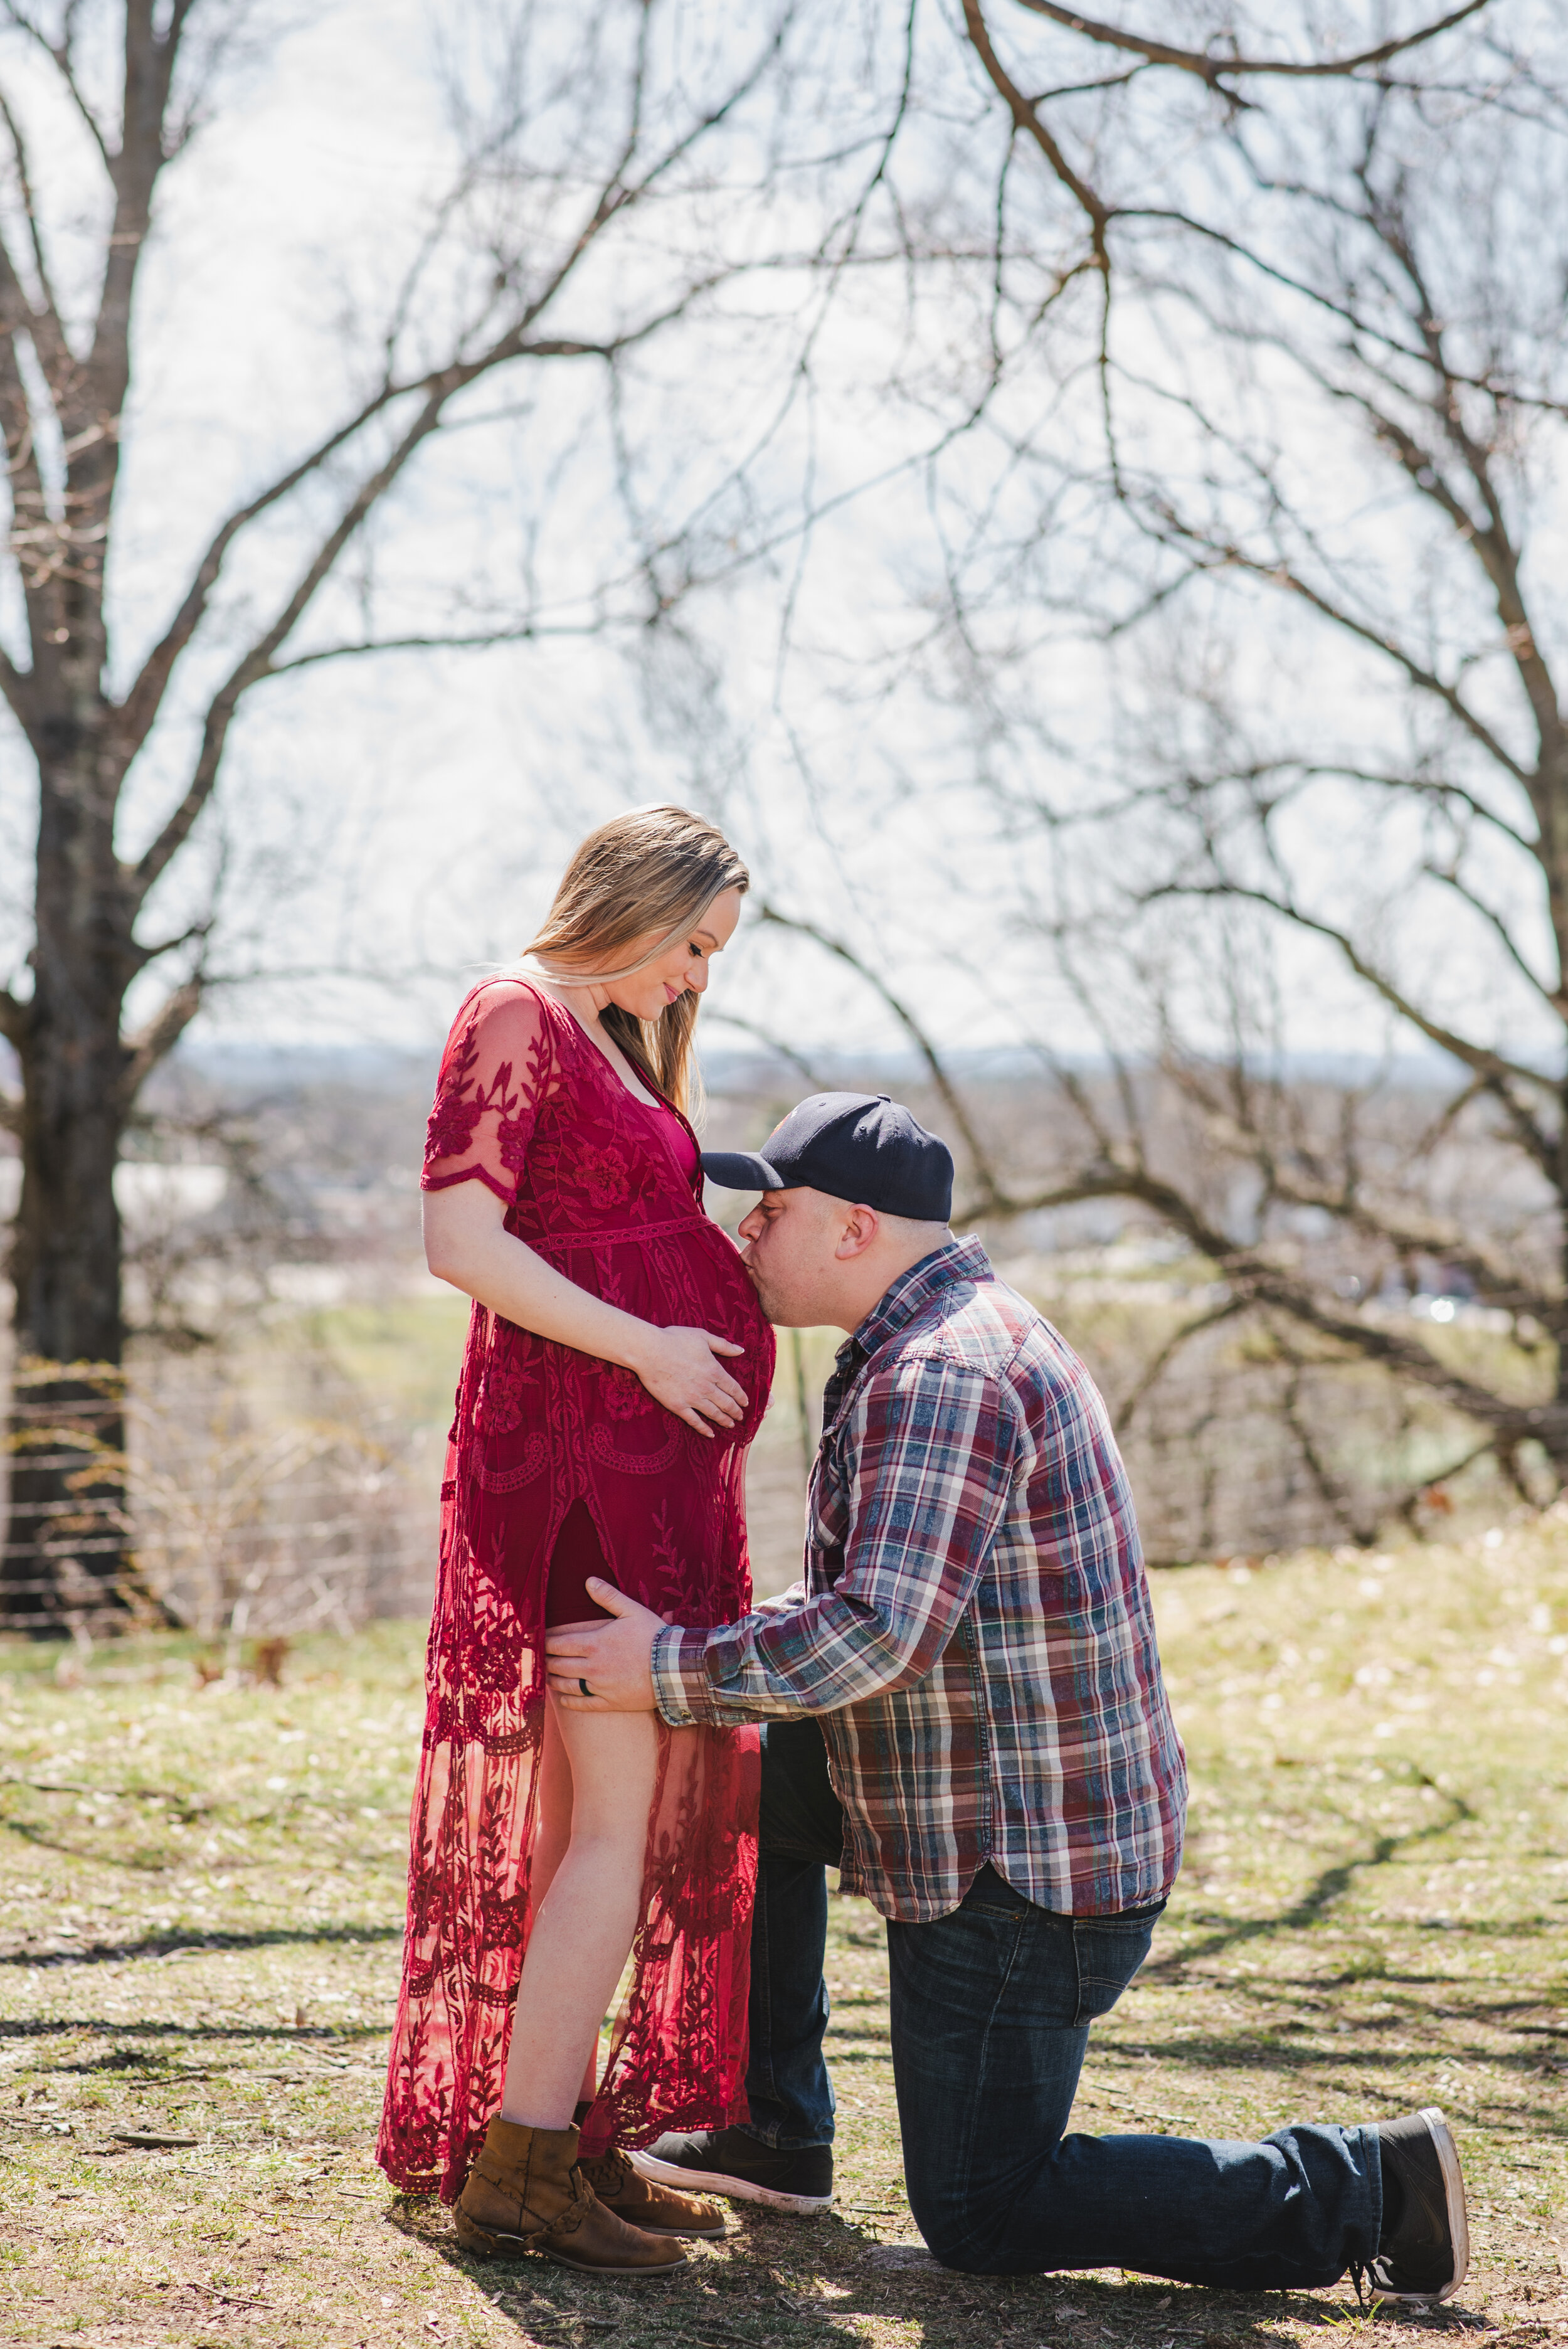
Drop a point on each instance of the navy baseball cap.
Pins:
(861, 1147)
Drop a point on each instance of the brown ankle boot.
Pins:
(526, 2193)
(656, 2209)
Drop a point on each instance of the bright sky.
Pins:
(404, 817)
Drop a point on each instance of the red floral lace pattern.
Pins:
(467, 1095)
(607, 1187)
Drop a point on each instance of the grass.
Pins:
(199, 1916)
(404, 1350)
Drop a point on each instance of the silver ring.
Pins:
(585, 1687)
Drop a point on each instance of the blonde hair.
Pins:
(659, 869)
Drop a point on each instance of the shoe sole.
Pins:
(587, 2267)
(1448, 2153)
(488, 2243)
(676, 2234)
(737, 2190)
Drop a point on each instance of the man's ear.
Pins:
(858, 1233)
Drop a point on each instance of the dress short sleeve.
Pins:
(495, 1074)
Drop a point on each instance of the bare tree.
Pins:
(1092, 230)
(574, 235)
(1363, 422)
(1264, 433)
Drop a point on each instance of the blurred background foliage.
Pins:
(1078, 499)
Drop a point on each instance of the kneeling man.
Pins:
(965, 1715)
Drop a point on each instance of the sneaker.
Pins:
(728, 2161)
(1423, 2251)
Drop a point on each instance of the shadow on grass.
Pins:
(796, 2284)
(279, 2034)
(1529, 2115)
(1330, 1885)
(162, 1945)
(154, 1859)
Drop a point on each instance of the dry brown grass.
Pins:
(200, 1914)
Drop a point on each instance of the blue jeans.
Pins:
(991, 2007)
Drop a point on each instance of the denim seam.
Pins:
(1372, 2172)
(1082, 2022)
(1020, 1919)
(760, 1900)
(1079, 2023)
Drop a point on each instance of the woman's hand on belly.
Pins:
(681, 1369)
(467, 1243)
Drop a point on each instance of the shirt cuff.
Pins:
(674, 1666)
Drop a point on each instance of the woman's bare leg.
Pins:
(551, 1837)
(553, 1832)
(583, 1925)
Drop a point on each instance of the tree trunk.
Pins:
(1550, 798)
(66, 1557)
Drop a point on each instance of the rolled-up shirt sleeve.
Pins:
(934, 1445)
(669, 1693)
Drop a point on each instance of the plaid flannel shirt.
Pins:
(975, 1626)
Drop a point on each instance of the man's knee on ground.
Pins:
(966, 2232)
(965, 2258)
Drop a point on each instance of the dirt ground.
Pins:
(200, 1922)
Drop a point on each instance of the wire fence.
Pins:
(264, 1490)
(237, 1495)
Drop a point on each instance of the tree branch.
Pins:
(1256, 1280)
(196, 934)
(952, 1099)
(1328, 1484)
(19, 688)
(786, 1051)
(1439, 789)
(1216, 70)
(160, 1035)
(1448, 878)
(1496, 1068)
(1494, 549)
(93, 416)
(616, 193)
(1415, 1364)
(145, 697)
(1169, 217)
(1227, 1311)
(17, 315)
(1494, 545)
(143, 702)
(1429, 787)
(1347, 1202)
(525, 633)
(48, 332)
(1025, 115)
(60, 55)
(1226, 554)
(256, 663)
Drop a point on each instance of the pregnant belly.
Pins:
(690, 1277)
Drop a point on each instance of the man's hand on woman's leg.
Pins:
(605, 1667)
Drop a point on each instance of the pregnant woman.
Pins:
(617, 1367)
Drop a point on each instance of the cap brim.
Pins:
(741, 1170)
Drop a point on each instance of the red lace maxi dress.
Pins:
(608, 1190)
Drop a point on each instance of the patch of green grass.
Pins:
(404, 1350)
(200, 1919)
